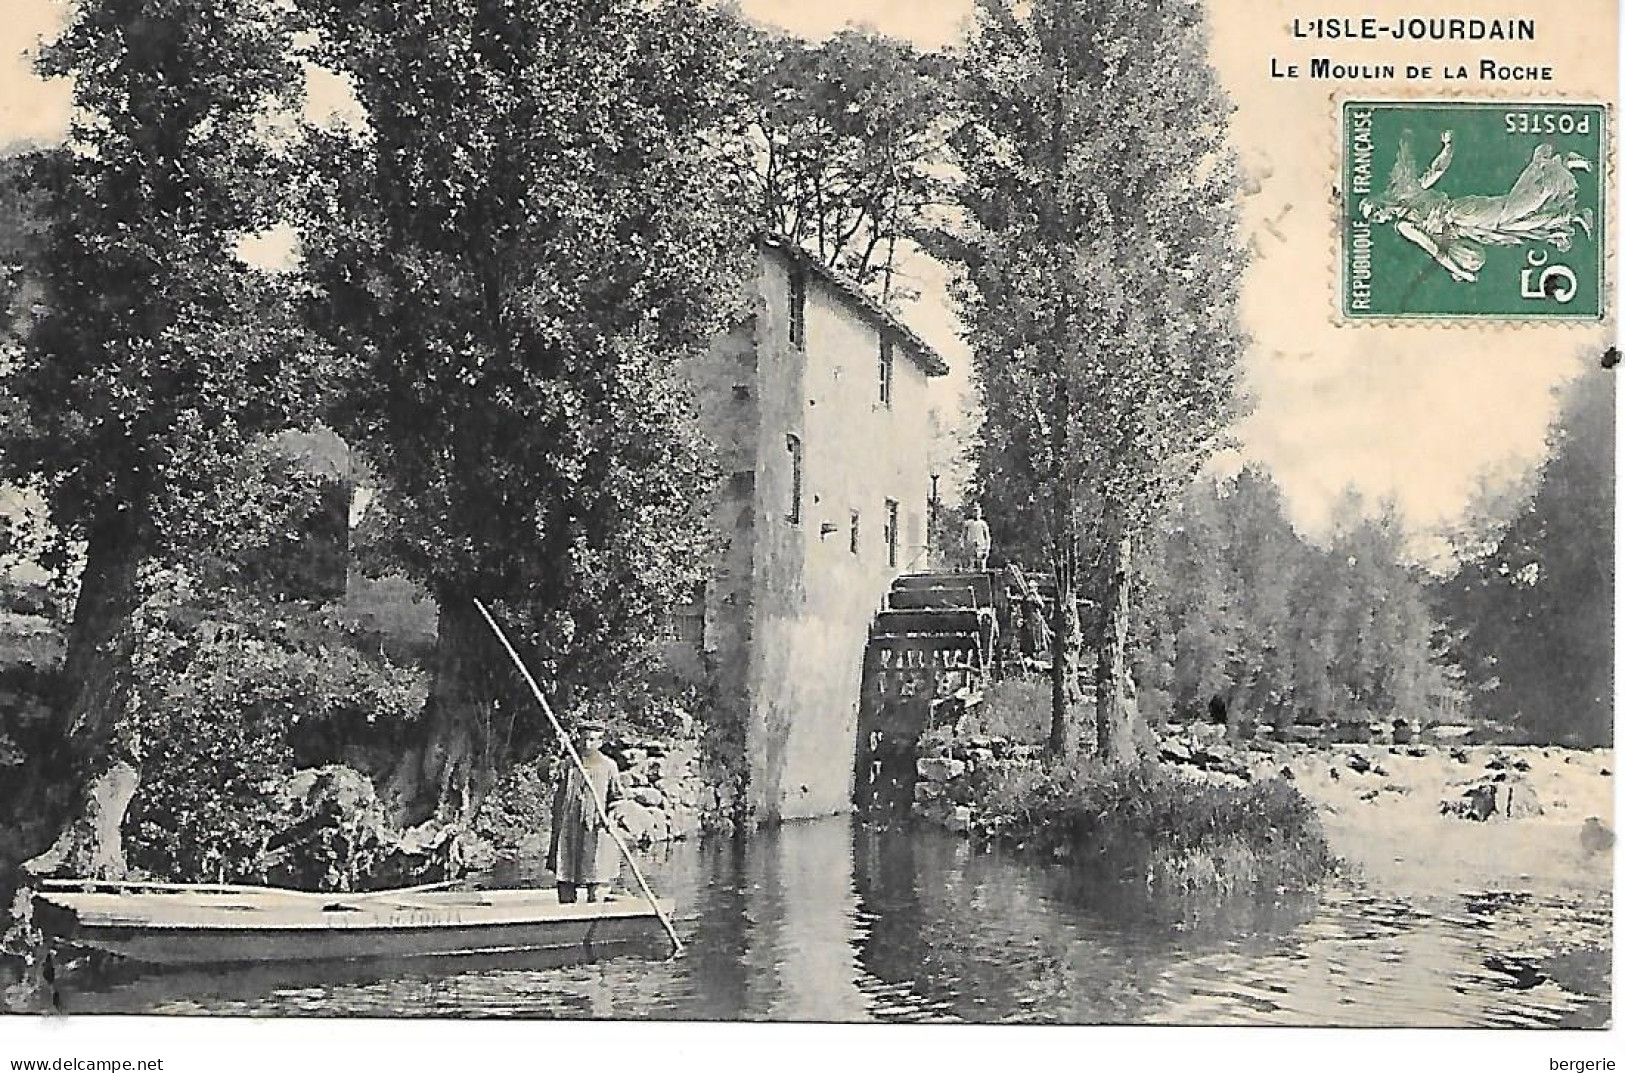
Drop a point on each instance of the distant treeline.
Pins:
(1240, 607)
(1237, 605)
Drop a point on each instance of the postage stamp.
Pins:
(1473, 210)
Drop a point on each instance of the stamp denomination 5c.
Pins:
(1472, 209)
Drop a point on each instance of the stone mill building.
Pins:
(817, 403)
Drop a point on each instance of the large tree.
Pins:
(1533, 607)
(844, 145)
(535, 226)
(1099, 266)
(153, 353)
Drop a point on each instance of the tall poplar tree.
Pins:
(1098, 270)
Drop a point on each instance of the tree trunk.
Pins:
(443, 778)
(92, 668)
(1116, 706)
(1060, 740)
(1066, 646)
(91, 844)
(91, 703)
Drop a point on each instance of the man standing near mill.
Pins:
(978, 538)
(580, 851)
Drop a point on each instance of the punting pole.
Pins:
(575, 758)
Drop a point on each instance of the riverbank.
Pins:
(1410, 819)
(1144, 823)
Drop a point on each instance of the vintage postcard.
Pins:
(965, 512)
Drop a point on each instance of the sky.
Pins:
(1413, 413)
(1416, 413)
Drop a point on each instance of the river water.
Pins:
(830, 921)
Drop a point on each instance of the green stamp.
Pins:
(1472, 209)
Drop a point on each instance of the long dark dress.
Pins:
(580, 851)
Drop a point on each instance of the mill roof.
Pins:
(921, 352)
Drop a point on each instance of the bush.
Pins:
(207, 804)
(517, 809)
(34, 755)
(1018, 709)
(221, 692)
(646, 701)
(1175, 834)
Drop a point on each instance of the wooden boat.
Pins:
(184, 924)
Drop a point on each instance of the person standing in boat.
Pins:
(581, 852)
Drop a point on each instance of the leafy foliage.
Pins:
(646, 702)
(844, 146)
(530, 234)
(207, 803)
(1533, 607)
(518, 809)
(224, 691)
(149, 354)
(1017, 708)
(266, 532)
(155, 352)
(1238, 606)
(1098, 273)
(235, 675)
(1174, 834)
(22, 240)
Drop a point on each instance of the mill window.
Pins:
(891, 533)
(885, 371)
(798, 309)
(792, 444)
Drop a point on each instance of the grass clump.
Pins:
(1176, 834)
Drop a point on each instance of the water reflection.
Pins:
(829, 921)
